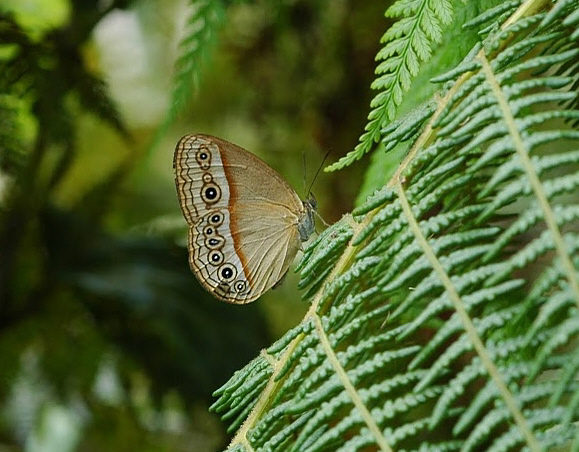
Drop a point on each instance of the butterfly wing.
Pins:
(243, 218)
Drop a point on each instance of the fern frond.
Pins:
(447, 316)
(407, 43)
(566, 12)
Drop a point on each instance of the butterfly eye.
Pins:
(227, 273)
(210, 193)
(215, 257)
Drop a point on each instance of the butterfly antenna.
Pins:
(318, 172)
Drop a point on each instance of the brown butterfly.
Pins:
(246, 223)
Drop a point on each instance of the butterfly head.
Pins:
(306, 225)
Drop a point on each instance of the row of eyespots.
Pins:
(210, 191)
(210, 194)
(214, 241)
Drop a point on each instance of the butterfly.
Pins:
(246, 223)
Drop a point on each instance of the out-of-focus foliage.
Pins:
(106, 340)
(75, 296)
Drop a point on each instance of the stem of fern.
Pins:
(534, 180)
(469, 327)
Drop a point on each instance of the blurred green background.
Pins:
(107, 342)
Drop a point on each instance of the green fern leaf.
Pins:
(407, 44)
(444, 312)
